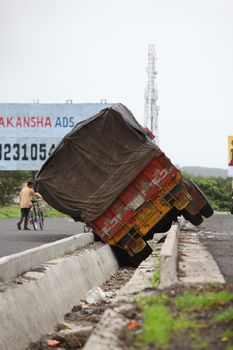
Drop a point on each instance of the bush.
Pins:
(216, 189)
(11, 183)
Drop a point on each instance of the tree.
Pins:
(216, 189)
(11, 183)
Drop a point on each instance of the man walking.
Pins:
(25, 197)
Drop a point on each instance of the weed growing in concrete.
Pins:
(190, 315)
(224, 316)
(157, 329)
(156, 275)
(191, 301)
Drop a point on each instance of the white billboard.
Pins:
(29, 132)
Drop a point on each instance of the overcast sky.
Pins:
(87, 50)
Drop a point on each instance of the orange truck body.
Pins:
(150, 196)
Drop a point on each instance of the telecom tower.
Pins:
(151, 96)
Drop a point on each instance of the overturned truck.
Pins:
(108, 173)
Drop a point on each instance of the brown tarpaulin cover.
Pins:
(94, 163)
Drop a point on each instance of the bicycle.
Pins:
(36, 216)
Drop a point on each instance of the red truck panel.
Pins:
(141, 204)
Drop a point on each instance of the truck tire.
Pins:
(194, 219)
(159, 228)
(124, 259)
(207, 211)
(163, 225)
(97, 238)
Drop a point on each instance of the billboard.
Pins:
(30, 132)
(230, 156)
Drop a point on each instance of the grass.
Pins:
(157, 329)
(167, 317)
(9, 212)
(228, 334)
(155, 278)
(224, 316)
(159, 323)
(191, 301)
(13, 211)
(156, 274)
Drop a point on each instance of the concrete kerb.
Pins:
(34, 307)
(14, 265)
(168, 257)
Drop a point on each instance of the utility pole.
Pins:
(151, 96)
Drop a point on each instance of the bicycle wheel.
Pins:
(33, 219)
(40, 219)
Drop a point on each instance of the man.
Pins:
(25, 197)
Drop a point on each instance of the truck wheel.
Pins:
(97, 238)
(207, 211)
(158, 228)
(194, 219)
(163, 225)
(124, 259)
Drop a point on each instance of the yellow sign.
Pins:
(230, 156)
(230, 150)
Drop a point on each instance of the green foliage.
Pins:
(216, 189)
(9, 212)
(144, 301)
(224, 316)
(228, 334)
(50, 212)
(190, 301)
(158, 325)
(13, 211)
(155, 278)
(166, 317)
(11, 183)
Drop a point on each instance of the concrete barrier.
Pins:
(34, 308)
(168, 257)
(14, 265)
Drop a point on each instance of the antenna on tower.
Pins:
(151, 96)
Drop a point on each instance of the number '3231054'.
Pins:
(17, 151)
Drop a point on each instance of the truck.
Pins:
(108, 173)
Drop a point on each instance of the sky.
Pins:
(88, 50)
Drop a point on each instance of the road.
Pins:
(216, 233)
(14, 241)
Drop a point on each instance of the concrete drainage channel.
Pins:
(37, 300)
(114, 320)
(34, 302)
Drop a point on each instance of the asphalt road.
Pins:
(216, 233)
(13, 241)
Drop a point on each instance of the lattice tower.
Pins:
(151, 96)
